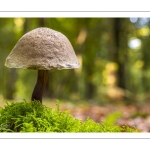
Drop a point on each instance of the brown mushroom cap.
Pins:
(42, 49)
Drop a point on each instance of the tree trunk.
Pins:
(119, 51)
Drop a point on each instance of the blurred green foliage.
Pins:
(112, 66)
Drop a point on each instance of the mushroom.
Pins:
(42, 49)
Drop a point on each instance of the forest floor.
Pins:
(131, 115)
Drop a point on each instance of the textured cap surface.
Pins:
(42, 49)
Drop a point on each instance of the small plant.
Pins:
(35, 117)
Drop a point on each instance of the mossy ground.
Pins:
(36, 117)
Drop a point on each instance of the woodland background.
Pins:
(114, 54)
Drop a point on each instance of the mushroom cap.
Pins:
(42, 49)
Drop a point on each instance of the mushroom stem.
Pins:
(40, 85)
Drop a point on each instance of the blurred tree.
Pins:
(103, 47)
(118, 48)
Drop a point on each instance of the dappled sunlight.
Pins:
(115, 93)
(81, 37)
(144, 31)
(19, 22)
(139, 64)
(109, 74)
(134, 43)
(133, 20)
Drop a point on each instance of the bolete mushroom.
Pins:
(42, 49)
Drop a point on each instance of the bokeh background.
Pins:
(114, 54)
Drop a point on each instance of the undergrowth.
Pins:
(36, 117)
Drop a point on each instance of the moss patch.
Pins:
(36, 117)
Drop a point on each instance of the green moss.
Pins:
(35, 117)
